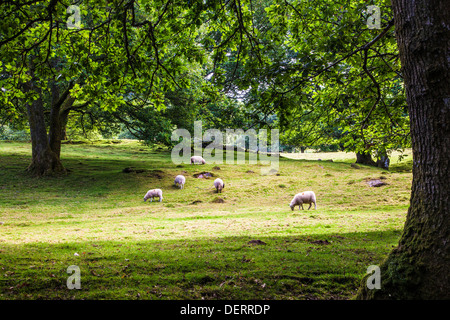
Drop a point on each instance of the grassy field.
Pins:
(196, 243)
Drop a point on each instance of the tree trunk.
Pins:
(44, 160)
(419, 268)
(64, 118)
(58, 122)
(365, 158)
(55, 125)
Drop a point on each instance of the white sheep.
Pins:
(153, 193)
(197, 159)
(219, 185)
(303, 197)
(180, 180)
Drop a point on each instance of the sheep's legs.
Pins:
(309, 206)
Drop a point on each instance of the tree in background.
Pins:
(122, 57)
(321, 71)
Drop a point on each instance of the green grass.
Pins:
(189, 246)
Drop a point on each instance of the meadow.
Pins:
(244, 243)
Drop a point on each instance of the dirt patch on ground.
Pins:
(159, 174)
(156, 174)
(258, 242)
(132, 170)
(203, 175)
(321, 242)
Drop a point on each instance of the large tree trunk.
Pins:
(365, 158)
(44, 161)
(419, 267)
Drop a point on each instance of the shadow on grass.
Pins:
(327, 266)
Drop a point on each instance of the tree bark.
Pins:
(383, 161)
(419, 268)
(365, 158)
(64, 119)
(58, 122)
(44, 160)
(55, 126)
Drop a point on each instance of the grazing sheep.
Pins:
(219, 185)
(153, 193)
(180, 180)
(197, 159)
(303, 197)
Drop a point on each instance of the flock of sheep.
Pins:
(307, 197)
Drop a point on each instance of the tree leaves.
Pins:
(303, 61)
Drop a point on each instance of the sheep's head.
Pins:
(292, 207)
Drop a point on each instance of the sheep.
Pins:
(303, 197)
(180, 180)
(219, 185)
(153, 193)
(197, 159)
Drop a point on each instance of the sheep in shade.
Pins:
(219, 185)
(197, 159)
(153, 193)
(303, 197)
(180, 180)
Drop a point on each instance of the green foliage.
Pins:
(323, 72)
(313, 69)
(120, 54)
